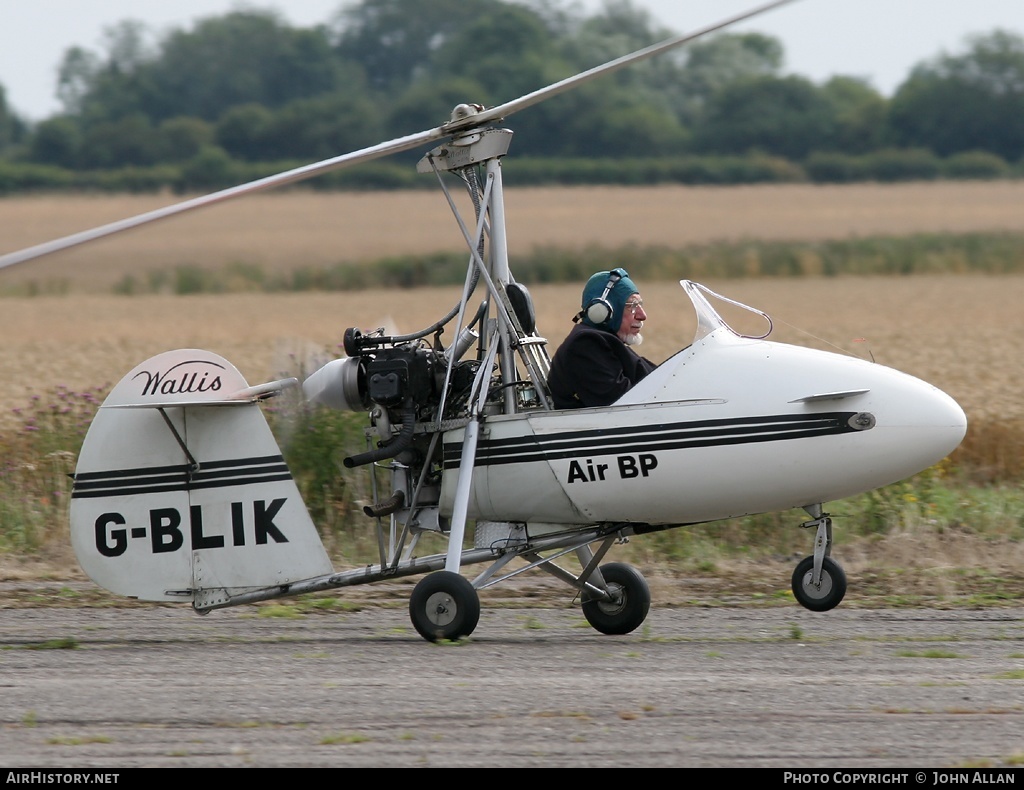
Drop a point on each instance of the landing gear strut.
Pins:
(819, 583)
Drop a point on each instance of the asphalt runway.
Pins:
(778, 687)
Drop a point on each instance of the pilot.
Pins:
(596, 363)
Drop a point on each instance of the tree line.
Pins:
(246, 89)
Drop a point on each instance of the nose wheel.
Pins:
(824, 594)
(444, 605)
(819, 584)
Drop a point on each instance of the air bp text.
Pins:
(626, 466)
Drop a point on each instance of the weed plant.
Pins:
(38, 457)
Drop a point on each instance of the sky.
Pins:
(880, 40)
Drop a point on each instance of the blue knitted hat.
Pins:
(617, 297)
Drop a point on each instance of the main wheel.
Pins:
(444, 605)
(828, 594)
(631, 601)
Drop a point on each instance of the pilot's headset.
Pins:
(599, 310)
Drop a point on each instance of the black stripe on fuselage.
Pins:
(180, 477)
(651, 438)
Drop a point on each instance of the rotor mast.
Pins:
(484, 147)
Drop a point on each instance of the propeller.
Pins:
(464, 118)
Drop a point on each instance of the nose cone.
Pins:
(946, 422)
(921, 425)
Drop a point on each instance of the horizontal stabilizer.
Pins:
(188, 377)
(259, 392)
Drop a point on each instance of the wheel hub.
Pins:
(441, 608)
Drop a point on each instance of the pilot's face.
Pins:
(633, 317)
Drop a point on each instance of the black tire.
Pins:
(630, 605)
(444, 605)
(833, 585)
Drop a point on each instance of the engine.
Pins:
(381, 371)
(399, 382)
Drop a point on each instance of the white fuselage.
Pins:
(726, 427)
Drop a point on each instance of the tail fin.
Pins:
(181, 490)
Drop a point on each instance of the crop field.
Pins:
(285, 230)
(960, 332)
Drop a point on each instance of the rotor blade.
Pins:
(504, 110)
(287, 177)
(463, 122)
